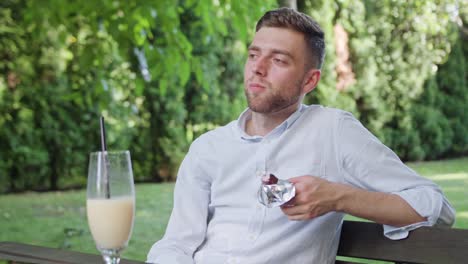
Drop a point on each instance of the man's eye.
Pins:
(280, 61)
(252, 55)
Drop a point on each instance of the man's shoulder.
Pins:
(325, 112)
(216, 134)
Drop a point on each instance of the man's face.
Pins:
(275, 70)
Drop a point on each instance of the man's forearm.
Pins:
(383, 208)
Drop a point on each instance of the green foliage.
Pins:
(441, 114)
(53, 95)
(395, 48)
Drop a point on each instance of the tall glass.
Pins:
(110, 202)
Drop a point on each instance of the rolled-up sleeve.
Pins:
(369, 164)
(187, 225)
(429, 203)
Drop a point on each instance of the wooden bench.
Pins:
(424, 245)
(428, 245)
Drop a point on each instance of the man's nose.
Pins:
(260, 66)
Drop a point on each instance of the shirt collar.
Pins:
(247, 115)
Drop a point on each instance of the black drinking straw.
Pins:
(104, 158)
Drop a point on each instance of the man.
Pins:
(336, 165)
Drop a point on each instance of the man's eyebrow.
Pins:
(254, 48)
(282, 52)
(273, 51)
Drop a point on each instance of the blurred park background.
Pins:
(162, 72)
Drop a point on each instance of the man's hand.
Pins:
(314, 197)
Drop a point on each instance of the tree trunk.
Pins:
(13, 175)
(288, 3)
(156, 133)
(54, 168)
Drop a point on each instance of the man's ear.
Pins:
(311, 80)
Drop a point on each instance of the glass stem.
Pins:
(111, 256)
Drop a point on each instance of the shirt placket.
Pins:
(258, 216)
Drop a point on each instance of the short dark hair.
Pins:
(291, 19)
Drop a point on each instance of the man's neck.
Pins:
(263, 123)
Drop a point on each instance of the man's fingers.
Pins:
(295, 180)
(301, 217)
(293, 210)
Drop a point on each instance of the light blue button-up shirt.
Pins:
(217, 218)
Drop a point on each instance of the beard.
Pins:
(273, 100)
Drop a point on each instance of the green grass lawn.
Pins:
(58, 219)
(452, 176)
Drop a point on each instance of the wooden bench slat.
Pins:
(424, 245)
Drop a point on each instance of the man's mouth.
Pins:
(255, 87)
